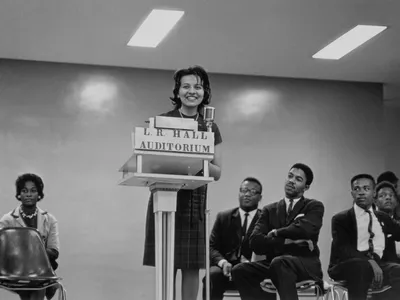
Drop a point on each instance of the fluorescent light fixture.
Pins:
(349, 41)
(156, 26)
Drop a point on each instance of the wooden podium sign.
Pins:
(169, 154)
(166, 157)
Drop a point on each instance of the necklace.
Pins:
(197, 115)
(24, 215)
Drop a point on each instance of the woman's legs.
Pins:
(190, 284)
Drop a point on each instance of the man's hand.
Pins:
(271, 234)
(227, 268)
(378, 274)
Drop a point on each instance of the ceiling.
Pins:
(253, 37)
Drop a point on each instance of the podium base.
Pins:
(164, 197)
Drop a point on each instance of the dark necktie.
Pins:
(289, 209)
(244, 227)
(290, 206)
(371, 236)
(244, 245)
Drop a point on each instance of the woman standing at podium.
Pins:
(190, 94)
(29, 191)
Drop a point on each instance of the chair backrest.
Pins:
(23, 255)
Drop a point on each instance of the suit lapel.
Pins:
(236, 226)
(353, 226)
(381, 221)
(296, 209)
(252, 224)
(41, 219)
(281, 213)
(18, 217)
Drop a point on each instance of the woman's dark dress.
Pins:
(189, 219)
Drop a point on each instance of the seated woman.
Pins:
(29, 191)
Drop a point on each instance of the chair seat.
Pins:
(26, 285)
(269, 287)
(379, 290)
(371, 291)
(231, 294)
(29, 278)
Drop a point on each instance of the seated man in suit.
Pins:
(386, 201)
(229, 240)
(287, 233)
(360, 251)
(392, 178)
(386, 197)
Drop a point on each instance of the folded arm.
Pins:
(306, 227)
(261, 242)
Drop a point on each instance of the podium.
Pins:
(167, 156)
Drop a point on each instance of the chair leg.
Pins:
(318, 293)
(62, 293)
(345, 296)
(334, 293)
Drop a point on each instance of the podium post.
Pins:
(166, 158)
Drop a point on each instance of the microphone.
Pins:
(209, 116)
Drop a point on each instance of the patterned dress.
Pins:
(190, 236)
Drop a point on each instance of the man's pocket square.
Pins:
(299, 216)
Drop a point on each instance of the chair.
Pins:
(306, 288)
(24, 264)
(231, 294)
(341, 286)
(234, 294)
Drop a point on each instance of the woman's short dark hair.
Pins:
(23, 179)
(197, 71)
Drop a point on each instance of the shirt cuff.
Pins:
(221, 263)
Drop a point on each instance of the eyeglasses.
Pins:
(251, 192)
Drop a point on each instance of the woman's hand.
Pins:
(215, 166)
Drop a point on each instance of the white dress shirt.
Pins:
(397, 248)
(362, 218)
(249, 218)
(242, 217)
(287, 201)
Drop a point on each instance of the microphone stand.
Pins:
(207, 220)
(209, 118)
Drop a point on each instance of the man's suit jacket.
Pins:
(226, 237)
(303, 223)
(345, 239)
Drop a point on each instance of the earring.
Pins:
(19, 197)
